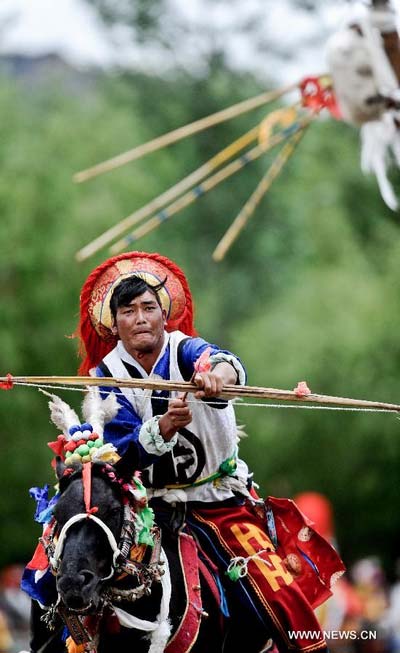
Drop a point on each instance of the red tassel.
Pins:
(317, 95)
(87, 485)
(92, 347)
(9, 384)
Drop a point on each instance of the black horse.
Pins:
(108, 601)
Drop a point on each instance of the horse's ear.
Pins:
(60, 467)
(128, 464)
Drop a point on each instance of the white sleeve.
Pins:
(151, 439)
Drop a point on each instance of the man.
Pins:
(158, 427)
(186, 448)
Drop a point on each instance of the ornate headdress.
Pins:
(94, 330)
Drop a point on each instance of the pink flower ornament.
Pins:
(203, 362)
(302, 389)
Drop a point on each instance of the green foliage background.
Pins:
(310, 290)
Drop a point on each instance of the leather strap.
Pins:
(186, 634)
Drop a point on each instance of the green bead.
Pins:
(83, 450)
(98, 443)
(90, 444)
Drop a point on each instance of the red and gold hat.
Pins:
(95, 324)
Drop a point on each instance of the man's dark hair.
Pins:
(129, 289)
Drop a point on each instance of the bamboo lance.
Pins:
(228, 391)
(182, 132)
(208, 184)
(248, 209)
(158, 202)
(188, 198)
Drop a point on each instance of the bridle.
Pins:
(55, 559)
(54, 544)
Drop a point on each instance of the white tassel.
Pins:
(159, 630)
(98, 411)
(240, 432)
(377, 140)
(160, 637)
(61, 414)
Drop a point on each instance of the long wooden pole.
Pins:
(228, 391)
(182, 132)
(208, 184)
(248, 209)
(158, 202)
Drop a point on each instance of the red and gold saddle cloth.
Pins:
(283, 575)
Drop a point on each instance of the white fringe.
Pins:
(160, 638)
(61, 414)
(380, 139)
(361, 70)
(98, 411)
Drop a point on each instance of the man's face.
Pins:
(140, 325)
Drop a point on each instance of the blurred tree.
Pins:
(252, 36)
(145, 16)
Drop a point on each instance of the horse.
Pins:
(114, 584)
(117, 580)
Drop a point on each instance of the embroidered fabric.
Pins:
(221, 357)
(151, 439)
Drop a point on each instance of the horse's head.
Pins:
(101, 511)
(89, 513)
(87, 534)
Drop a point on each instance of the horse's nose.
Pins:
(87, 577)
(77, 589)
(81, 580)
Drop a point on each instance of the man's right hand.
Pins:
(177, 416)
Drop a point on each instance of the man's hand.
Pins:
(177, 416)
(210, 384)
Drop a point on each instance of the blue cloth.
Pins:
(44, 505)
(44, 590)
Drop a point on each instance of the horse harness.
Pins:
(123, 564)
